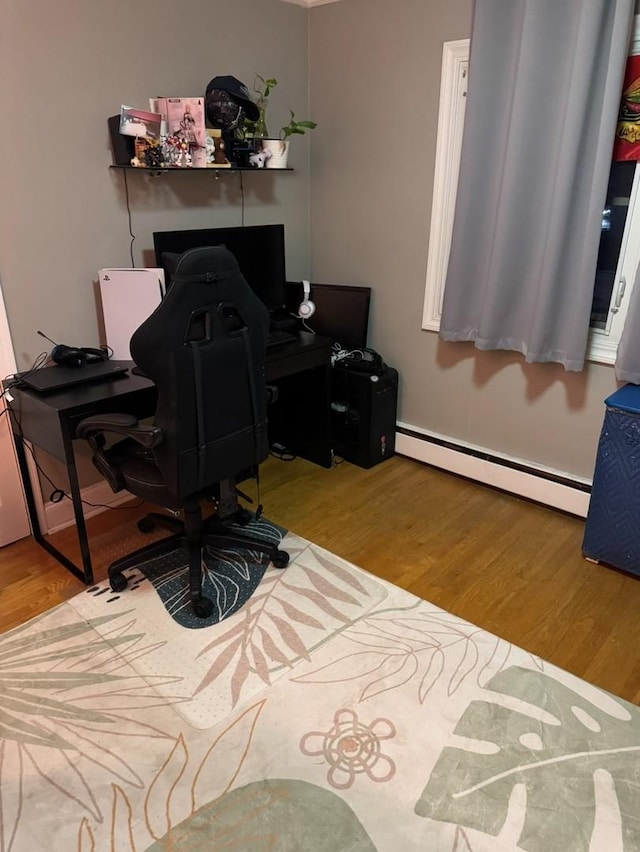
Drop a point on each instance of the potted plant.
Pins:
(278, 148)
(275, 149)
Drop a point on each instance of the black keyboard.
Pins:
(278, 337)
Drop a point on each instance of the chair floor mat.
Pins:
(291, 612)
(230, 576)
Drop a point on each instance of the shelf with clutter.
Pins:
(157, 171)
(224, 130)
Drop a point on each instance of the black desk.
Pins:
(300, 420)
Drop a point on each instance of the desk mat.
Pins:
(229, 576)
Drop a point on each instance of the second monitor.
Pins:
(341, 311)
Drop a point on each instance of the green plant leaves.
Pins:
(566, 751)
(267, 84)
(296, 127)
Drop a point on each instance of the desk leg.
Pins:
(85, 575)
(83, 540)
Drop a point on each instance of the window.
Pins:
(619, 252)
(618, 258)
(453, 92)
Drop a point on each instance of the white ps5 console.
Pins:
(128, 297)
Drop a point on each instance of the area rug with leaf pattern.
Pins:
(332, 712)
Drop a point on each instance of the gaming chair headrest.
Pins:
(206, 259)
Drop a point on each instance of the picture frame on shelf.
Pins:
(139, 122)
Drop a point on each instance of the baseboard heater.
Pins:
(546, 486)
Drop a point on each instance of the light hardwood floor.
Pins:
(509, 566)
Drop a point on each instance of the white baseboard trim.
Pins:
(542, 485)
(58, 516)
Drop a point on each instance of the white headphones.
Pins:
(306, 309)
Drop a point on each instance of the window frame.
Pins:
(603, 343)
(453, 92)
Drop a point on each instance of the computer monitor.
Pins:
(259, 250)
(342, 311)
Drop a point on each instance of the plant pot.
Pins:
(277, 150)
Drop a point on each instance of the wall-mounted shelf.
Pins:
(216, 172)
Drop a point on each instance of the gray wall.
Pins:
(374, 71)
(376, 101)
(65, 67)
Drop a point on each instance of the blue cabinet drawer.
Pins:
(612, 529)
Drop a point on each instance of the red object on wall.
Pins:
(627, 142)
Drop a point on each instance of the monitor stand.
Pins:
(282, 321)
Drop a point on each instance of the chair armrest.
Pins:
(120, 424)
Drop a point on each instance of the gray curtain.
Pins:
(545, 78)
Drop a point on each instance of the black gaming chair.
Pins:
(204, 348)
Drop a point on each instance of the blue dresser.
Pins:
(612, 530)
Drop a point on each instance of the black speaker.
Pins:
(363, 414)
(123, 146)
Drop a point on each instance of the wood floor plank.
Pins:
(509, 566)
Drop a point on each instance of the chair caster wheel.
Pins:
(280, 559)
(145, 525)
(118, 583)
(202, 607)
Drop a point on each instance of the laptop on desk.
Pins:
(57, 377)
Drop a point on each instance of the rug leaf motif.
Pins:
(411, 643)
(282, 623)
(271, 814)
(225, 757)
(159, 798)
(341, 573)
(75, 787)
(555, 754)
(239, 676)
(181, 787)
(320, 601)
(86, 837)
(122, 820)
(435, 667)
(68, 699)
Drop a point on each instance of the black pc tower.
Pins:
(363, 414)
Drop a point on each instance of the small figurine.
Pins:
(176, 152)
(216, 156)
(258, 160)
(153, 154)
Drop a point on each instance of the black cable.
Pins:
(242, 198)
(131, 234)
(14, 380)
(41, 361)
(58, 494)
